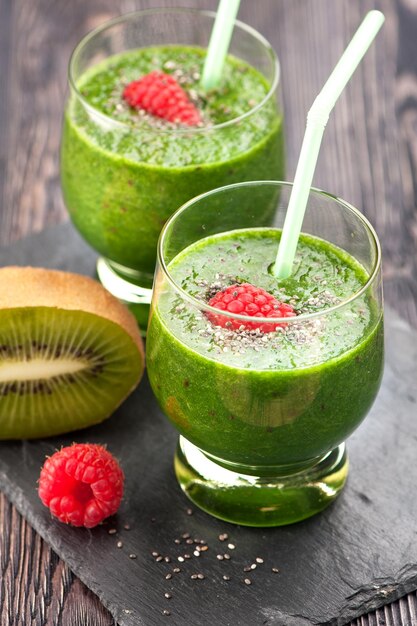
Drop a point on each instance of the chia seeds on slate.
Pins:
(200, 548)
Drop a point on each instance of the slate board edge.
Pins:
(17, 498)
(361, 607)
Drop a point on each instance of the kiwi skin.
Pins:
(24, 292)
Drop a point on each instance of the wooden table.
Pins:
(368, 157)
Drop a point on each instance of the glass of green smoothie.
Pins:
(263, 378)
(125, 170)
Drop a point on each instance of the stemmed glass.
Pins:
(263, 416)
(122, 179)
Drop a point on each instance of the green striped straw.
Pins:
(316, 122)
(219, 43)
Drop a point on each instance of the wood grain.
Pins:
(369, 157)
(37, 588)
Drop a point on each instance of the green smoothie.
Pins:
(266, 399)
(124, 172)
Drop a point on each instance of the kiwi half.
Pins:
(70, 352)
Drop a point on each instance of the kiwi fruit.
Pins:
(70, 352)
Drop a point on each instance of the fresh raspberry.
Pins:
(245, 299)
(161, 95)
(81, 484)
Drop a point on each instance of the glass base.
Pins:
(254, 500)
(129, 286)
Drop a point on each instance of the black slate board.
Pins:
(359, 554)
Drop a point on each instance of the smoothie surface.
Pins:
(323, 277)
(242, 88)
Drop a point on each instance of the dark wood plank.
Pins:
(369, 157)
(37, 588)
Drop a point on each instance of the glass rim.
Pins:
(303, 317)
(109, 121)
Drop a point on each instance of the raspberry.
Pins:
(81, 484)
(245, 299)
(161, 95)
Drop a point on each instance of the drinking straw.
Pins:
(316, 122)
(219, 42)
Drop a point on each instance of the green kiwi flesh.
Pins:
(61, 370)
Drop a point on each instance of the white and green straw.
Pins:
(316, 122)
(219, 43)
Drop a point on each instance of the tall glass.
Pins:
(123, 176)
(264, 404)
